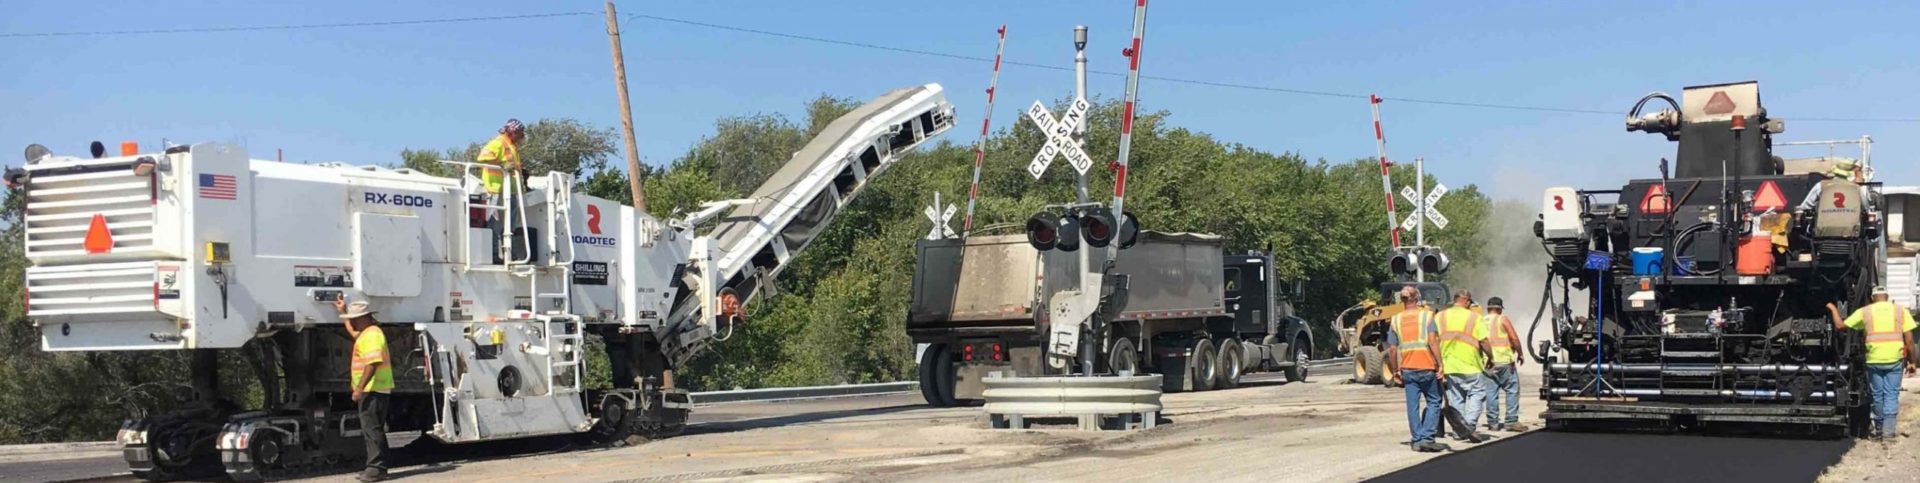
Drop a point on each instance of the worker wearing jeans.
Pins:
(1413, 348)
(1505, 377)
(1889, 329)
(1463, 355)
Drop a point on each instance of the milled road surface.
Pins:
(1322, 430)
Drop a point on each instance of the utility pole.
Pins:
(626, 112)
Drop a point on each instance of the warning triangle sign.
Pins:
(1769, 198)
(98, 240)
(1720, 103)
(1656, 201)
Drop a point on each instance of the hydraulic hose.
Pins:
(1546, 297)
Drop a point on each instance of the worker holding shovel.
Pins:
(1464, 354)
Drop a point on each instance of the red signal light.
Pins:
(1656, 201)
(968, 352)
(1769, 198)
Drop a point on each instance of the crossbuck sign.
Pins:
(1060, 140)
(1427, 207)
(940, 218)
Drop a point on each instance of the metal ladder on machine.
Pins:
(566, 345)
(564, 348)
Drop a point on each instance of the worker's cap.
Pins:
(1495, 303)
(1842, 169)
(1879, 290)
(357, 309)
(1409, 294)
(1463, 295)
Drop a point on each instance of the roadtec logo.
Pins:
(598, 241)
(593, 225)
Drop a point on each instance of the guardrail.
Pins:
(808, 392)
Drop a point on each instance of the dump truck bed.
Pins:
(1000, 281)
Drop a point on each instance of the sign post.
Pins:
(1422, 209)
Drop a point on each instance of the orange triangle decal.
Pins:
(99, 240)
(1720, 103)
(1656, 201)
(1769, 198)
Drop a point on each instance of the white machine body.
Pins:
(202, 247)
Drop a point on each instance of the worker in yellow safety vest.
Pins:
(1463, 357)
(1889, 329)
(1413, 347)
(1505, 377)
(502, 151)
(371, 378)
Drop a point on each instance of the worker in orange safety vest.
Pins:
(1413, 347)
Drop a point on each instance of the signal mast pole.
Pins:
(1420, 224)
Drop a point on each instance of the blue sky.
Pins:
(362, 94)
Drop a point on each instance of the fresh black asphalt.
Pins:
(1561, 457)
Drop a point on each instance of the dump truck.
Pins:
(203, 249)
(1193, 312)
(1707, 286)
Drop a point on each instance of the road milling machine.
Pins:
(202, 249)
(1708, 286)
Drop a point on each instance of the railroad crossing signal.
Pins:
(1427, 207)
(1060, 140)
(940, 218)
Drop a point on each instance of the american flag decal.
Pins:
(218, 187)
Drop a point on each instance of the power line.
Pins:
(1175, 80)
(929, 53)
(256, 28)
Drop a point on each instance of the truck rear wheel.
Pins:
(1123, 357)
(1368, 365)
(937, 376)
(1229, 364)
(1201, 366)
(928, 389)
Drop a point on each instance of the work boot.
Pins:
(1429, 447)
(373, 474)
(1515, 427)
(1475, 438)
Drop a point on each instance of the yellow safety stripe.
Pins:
(1420, 340)
(1881, 330)
(1499, 338)
(1464, 337)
